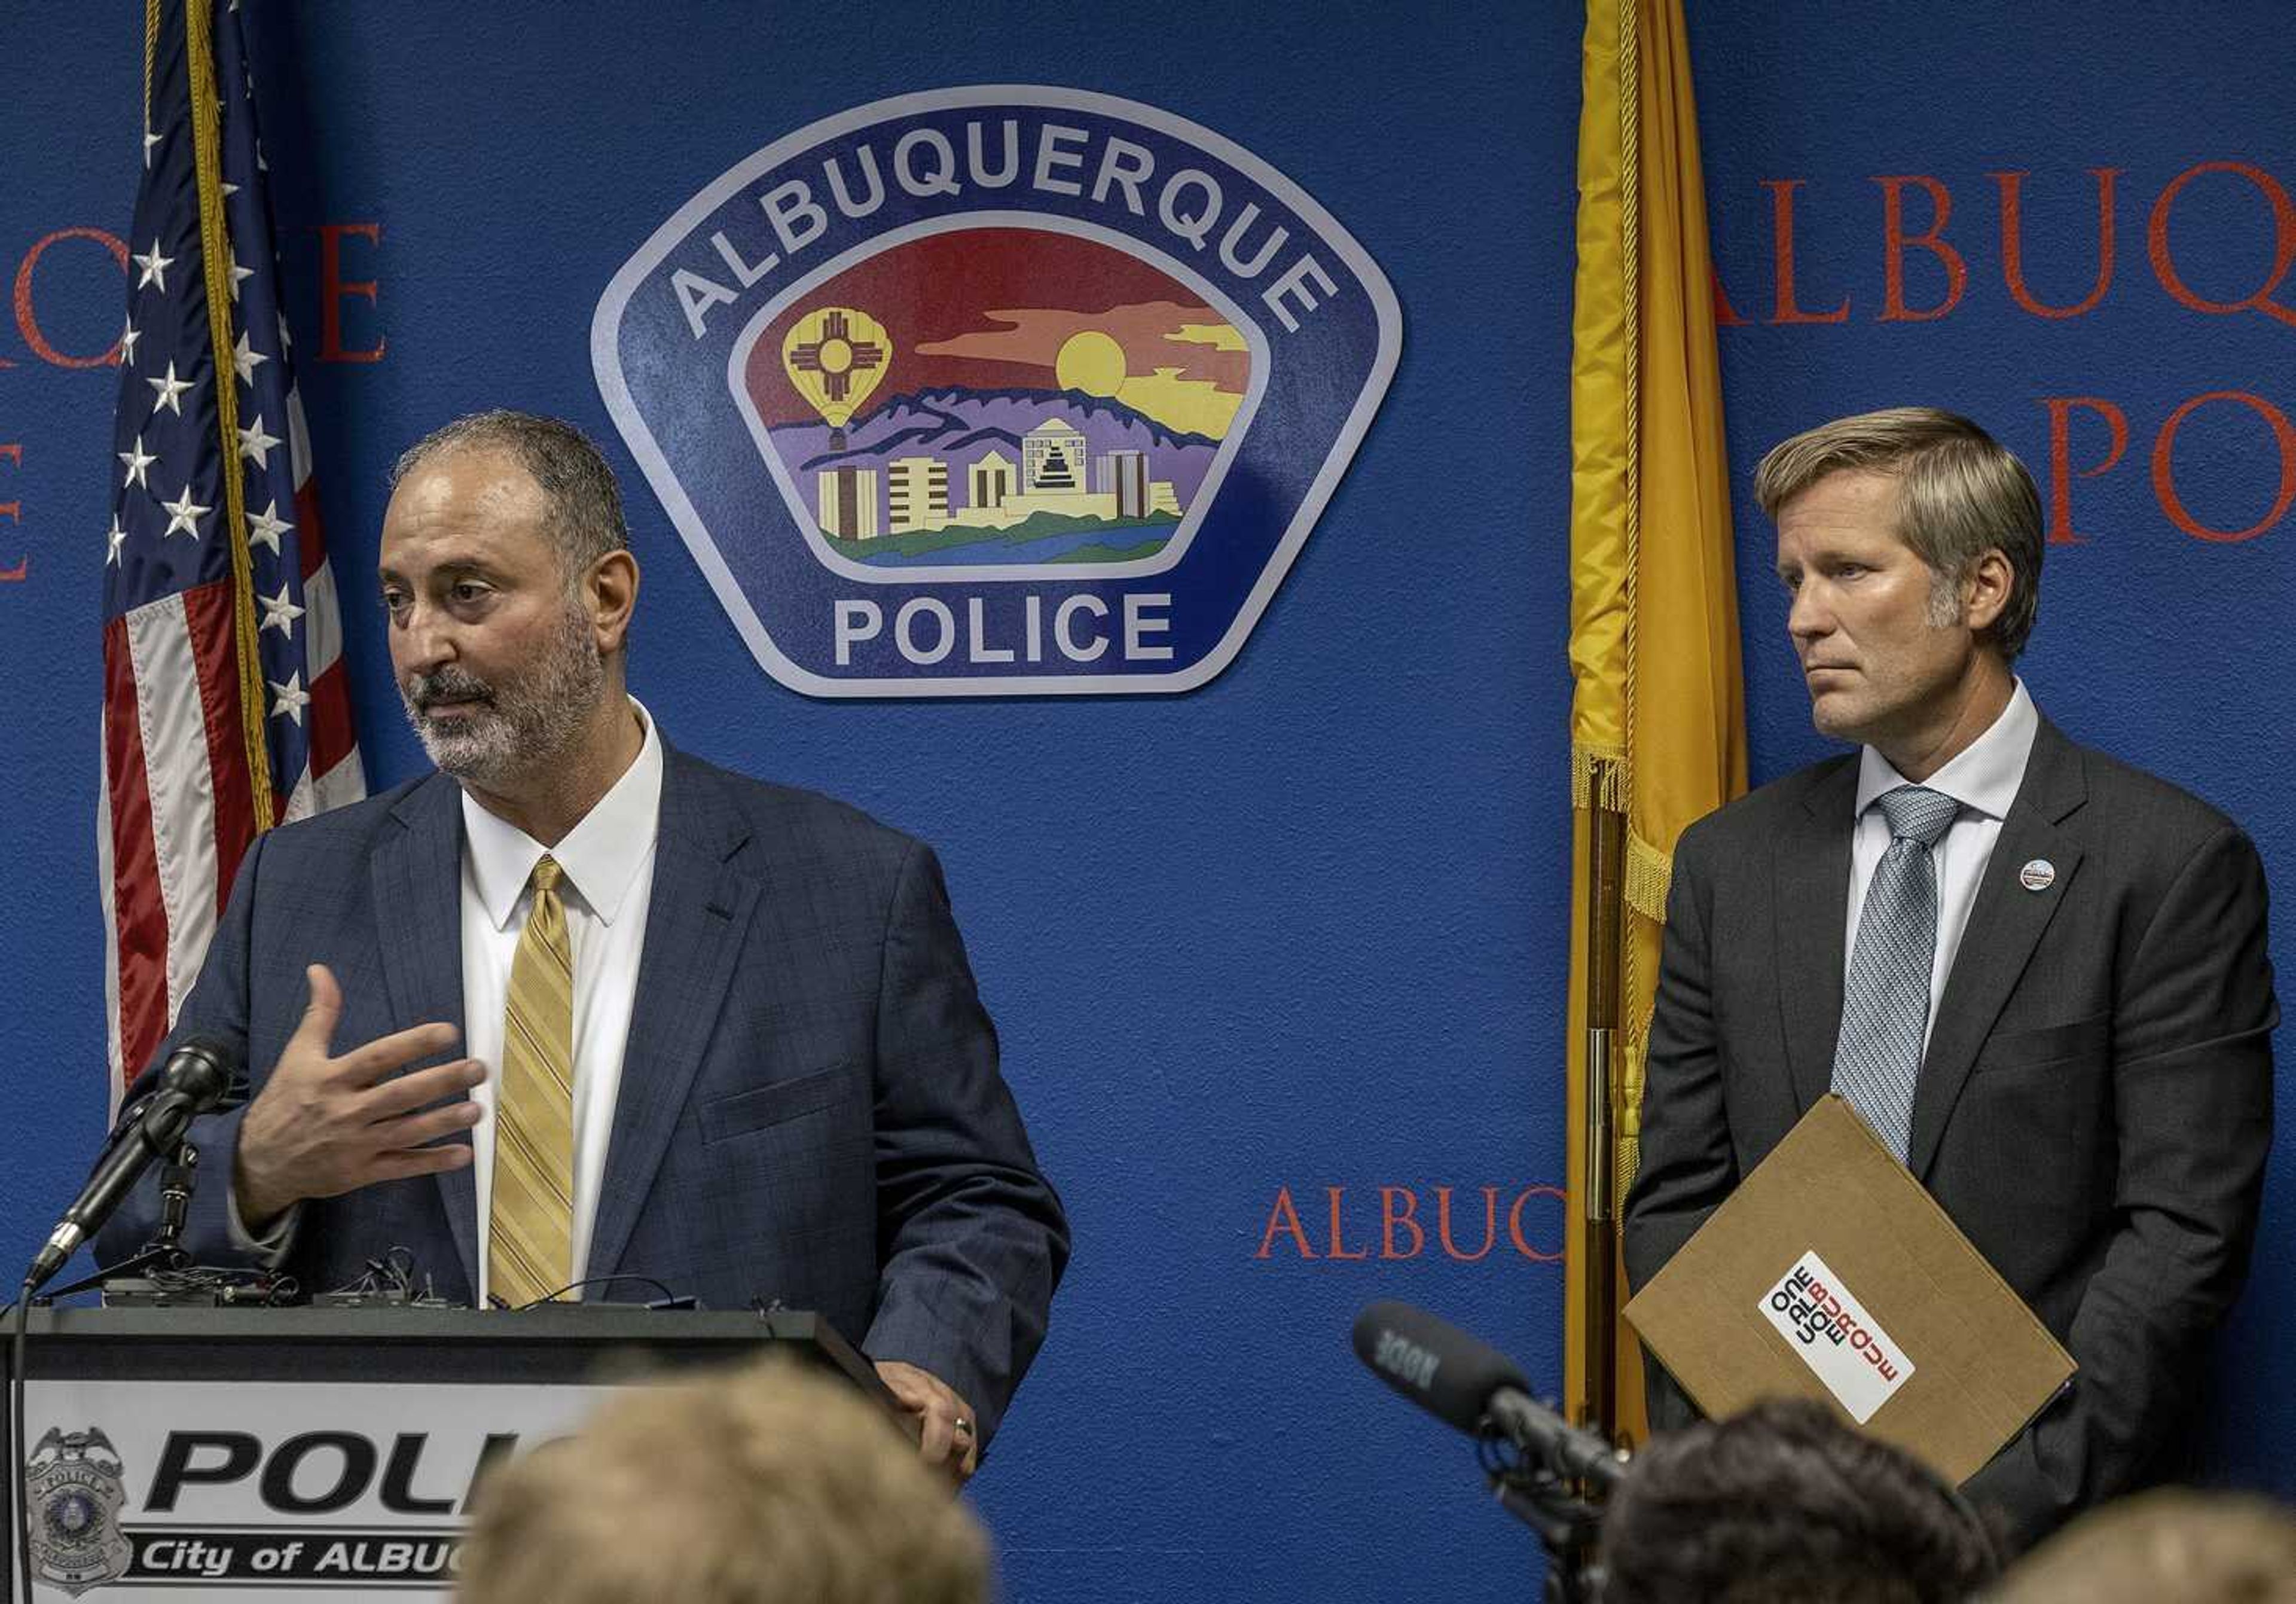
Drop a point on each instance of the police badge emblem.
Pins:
(73, 1496)
(1002, 390)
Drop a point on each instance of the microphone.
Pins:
(197, 1076)
(1474, 1387)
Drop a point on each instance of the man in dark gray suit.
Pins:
(713, 1035)
(2039, 975)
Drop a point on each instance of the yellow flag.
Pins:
(1658, 718)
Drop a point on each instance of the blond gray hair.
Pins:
(2210, 1548)
(766, 1485)
(1960, 494)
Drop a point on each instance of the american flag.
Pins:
(226, 708)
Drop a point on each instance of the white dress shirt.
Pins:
(1983, 778)
(608, 862)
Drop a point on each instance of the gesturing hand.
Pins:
(323, 1126)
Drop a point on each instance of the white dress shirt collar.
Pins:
(601, 856)
(1984, 775)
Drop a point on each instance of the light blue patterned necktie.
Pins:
(1885, 1006)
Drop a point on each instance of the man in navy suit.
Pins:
(774, 1077)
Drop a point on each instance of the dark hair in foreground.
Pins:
(1785, 1505)
(772, 1484)
(585, 503)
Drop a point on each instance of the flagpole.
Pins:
(1606, 840)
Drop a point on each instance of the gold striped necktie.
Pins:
(531, 1223)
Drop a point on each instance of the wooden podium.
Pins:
(321, 1453)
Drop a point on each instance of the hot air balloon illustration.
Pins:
(836, 356)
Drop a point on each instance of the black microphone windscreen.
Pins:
(201, 1069)
(1433, 1364)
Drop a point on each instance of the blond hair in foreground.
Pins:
(2167, 1547)
(764, 1485)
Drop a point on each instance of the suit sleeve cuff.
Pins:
(272, 1247)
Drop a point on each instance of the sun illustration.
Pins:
(1091, 362)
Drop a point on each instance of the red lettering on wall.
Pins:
(1514, 1225)
(1335, 1249)
(1490, 1224)
(334, 289)
(1895, 241)
(1402, 1234)
(2060, 468)
(1726, 315)
(1285, 1218)
(28, 326)
(1782, 251)
(1407, 1219)
(2013, 247)
(13, 511)
(2164, 485)
(2284, 245)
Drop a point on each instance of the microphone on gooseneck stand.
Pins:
(1474, 1387)
(198, 1075)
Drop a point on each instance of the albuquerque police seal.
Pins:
(72, 1492)
(996, 391)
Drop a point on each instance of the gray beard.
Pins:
(528, 722)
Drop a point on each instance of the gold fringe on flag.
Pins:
(216, 259)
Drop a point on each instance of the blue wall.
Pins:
(1304, 928)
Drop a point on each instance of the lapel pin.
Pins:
(2037, 876)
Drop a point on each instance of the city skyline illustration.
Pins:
(998, 396)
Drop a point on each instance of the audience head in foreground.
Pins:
(771, 1484)
(2168, 1547)
(1785, 1505)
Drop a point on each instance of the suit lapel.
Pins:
(1812, 878)
(2004, 926)
(701, 903)
(416, 878)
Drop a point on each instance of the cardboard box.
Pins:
(1831, 1273)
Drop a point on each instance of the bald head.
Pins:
(579, 510)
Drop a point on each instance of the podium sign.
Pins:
(317, 1454)
(303, 1489)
